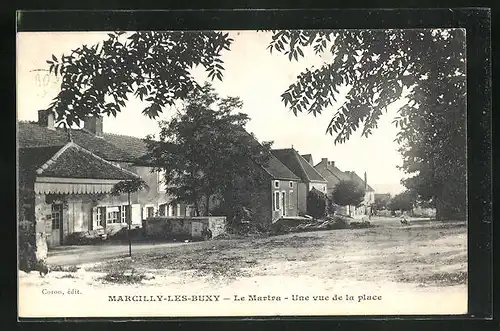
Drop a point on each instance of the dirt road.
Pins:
(421, 268)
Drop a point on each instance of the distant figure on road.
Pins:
(404, 219)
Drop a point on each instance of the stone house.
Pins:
(280, 192)
(309, 177)
(66, 179)
(331, 173)
(334, 176)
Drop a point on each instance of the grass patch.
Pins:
(121, 277)
(216, 261)
(439, 279)
(68, 276)
(63, 268)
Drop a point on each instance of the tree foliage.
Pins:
(348, 193)
(206, 152)
(316, 203)
(152, 66)
(378, 68)
(381, 202)
(129, 186)
(404, 201)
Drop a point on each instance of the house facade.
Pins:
(369, 199)
(287, 191)
(279, 195)
(331, 173)
(66, 180)
(334, 175)
(300, 167)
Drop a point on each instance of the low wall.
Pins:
(186, 227)
(428, 212)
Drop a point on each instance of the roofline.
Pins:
(334, 174)
(287, 178)
(297, 155)
(42, 146)
(318, 181)
(53, 159)
(281, 149)
(302, 167)
(44, 166)
(278, 177)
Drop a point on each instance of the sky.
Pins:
(253, 74)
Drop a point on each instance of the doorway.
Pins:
(283, 203)
(56, 233)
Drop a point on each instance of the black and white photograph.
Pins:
(242, 173)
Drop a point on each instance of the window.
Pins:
(162, 187)
(99, 214)
(276, 200)
(324, 188)
(97, 217)
(161, 212)
(276, 183)
(283, 203)
(56, 213)
(290, 184)
(123, 213)
(112, 215)
(150, 212)
(290, 194)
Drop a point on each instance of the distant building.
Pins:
(369, 199)
(383, 197)
(308, 158)
(334, 176)
(331, 173)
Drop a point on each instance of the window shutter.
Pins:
(136, 214)
(92, 222)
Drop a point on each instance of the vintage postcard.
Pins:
(242, 173)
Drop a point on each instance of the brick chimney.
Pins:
(46, 119)
(324, 161)
(93, 124)
(332, 163)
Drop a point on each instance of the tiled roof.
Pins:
(34, 135)
(297, 164)
(133, 145)
(73, 161)
(31, 159)
(354, 176)
(274, 167)
(113, 147)
(308, 158)
(337, 172)
(278, 170)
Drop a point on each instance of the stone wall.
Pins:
(41, 246)
(424, 212)
(192, 227)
